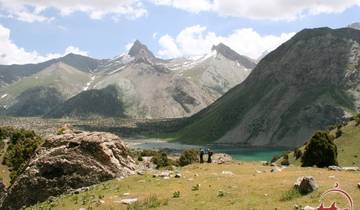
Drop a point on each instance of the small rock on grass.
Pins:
(276, 169)
(230, 173)
(128, 201)
(305, 184)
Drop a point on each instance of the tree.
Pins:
(188, 157)
(321, 151)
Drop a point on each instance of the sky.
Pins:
(33, 31)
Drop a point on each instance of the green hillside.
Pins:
(287, 96)
(348, 145)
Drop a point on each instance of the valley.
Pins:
(168, 129)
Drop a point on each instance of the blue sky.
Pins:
(47, 32)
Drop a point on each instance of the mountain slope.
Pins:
(11, 73)
(150, 87)
(36, 101)
(67, 80)
(288, 95)
(218, 71)
(355, 25)
(91, 103)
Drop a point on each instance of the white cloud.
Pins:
(170, 49)
(10, 53)
(75, 50)
(188, 5)
(281, 9)
(262, 9)
(196, 40)
(33, 10)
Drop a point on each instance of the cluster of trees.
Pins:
(22, 145)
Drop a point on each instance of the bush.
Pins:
(297, 153)
(149, 153)
(161, 160)
(176, 194)
(285, 162)
(338, 133)
(321, 151)
(275, 158)
(188, 157)
(23, 144)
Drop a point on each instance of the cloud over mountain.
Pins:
(10, 53)
(197, 40)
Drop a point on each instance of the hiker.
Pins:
(202, 156)
(210, 153)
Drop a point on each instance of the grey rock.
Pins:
(68, 162)
(128, 201)
(351, 168)
(305, 184)
(334, 168)
(221, 158)
(275, 169)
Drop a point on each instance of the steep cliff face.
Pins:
(306, 84)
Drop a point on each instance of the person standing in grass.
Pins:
(202, 156)
(210, 153)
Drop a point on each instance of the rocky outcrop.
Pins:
(305, 184)
(66, 162)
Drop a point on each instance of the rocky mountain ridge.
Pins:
(288, 95)
(145, 86)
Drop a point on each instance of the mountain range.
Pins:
(308, 83)
(139, 84)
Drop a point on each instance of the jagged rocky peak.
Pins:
(355, 25)
(140, 51)
(232, 55)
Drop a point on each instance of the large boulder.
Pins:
(305, 184)
(67, 162)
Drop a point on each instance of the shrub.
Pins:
(321, 151)
(338, 133)
(188, 157)
(275, 158)
(22, 145)
(161, 160)
(151, 153)
(176, 194)
(297, 153)
(285, 162)
(60, 131)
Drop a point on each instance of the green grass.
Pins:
(56, 77)
(246, 189)
(348, 145)
(213, 122)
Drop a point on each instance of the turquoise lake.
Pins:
(250, 153)
(237, 153)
